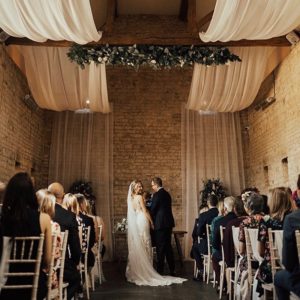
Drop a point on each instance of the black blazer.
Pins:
(161, 210)
(291, 262)
(205, 218)
(67, 221)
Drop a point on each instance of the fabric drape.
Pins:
(234, 87)
(58, 84)
(40, 20)
(211, 148)
(252, 20)
(81, 149)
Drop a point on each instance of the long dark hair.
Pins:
(19, 196)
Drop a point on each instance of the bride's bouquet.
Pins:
(121, 226)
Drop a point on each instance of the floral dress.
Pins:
(265, 271)
(250, 222)
(56, 230)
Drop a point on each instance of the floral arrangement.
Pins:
(155, 56)
(121, 226)
(211, 187)
(84, 188)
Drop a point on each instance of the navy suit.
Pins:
(199, 249)
(161, 212)
(289, 279)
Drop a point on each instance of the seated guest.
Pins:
(70, 203)
(228, 244)
(216, 237)
(296, 193)
(217, 218)
(200, 249)
(87, 221)
(254, 205)
(47, 206)
(67, 221)
(288, 280)
(20, 217)
(280, 206)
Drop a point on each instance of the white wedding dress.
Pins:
(139, 268)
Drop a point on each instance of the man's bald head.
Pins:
(57, 190)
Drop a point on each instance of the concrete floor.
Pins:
(116, 287)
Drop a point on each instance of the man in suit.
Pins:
(199, 249)
(288, 280)
(67, 221)
(161, 212)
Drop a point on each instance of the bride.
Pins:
(139, 268)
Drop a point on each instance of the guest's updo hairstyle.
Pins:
(253, 202)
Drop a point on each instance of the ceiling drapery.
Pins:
(40, 20)
(59, 85)
(252, 20)
(234, 87)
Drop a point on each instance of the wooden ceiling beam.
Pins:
(206, 19)
(111, 13)
(147, 39)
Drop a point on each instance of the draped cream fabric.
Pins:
(211, 148)
(252, 20)
(58, 84)
(81, 149)
(234, 87)
(40, 20)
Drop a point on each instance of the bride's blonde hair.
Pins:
(132, 186)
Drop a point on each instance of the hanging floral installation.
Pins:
(157, 57)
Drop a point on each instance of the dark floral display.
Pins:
(157, 57)
(212, 187)
(84, 188)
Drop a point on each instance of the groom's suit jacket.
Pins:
(161, 210)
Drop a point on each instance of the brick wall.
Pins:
(271, 145)
(147, 131)
(23, 132)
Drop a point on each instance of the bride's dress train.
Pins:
(139, 268)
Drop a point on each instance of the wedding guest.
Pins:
(254, 205)
(288, 279)
(87, 221)
(200, 249)
(280, 206)
(20, 217)
(228, 244)
(296, 193)
(70, 203)
(228, 215)
(47, 205)
(67, 221)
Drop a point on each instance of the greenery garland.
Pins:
(157, 57)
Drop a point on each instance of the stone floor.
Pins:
(116, 287)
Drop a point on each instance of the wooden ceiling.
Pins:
(159, 22)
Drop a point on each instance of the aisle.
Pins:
(117, 288)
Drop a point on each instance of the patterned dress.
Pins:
(250, 222)
(56, 229)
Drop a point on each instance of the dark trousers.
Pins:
(216, 258)
(164, 250)
(72, 276)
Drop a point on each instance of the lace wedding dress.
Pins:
(139, 268)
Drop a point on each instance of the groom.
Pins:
(161, 212)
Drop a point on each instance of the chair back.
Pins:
(21, 252)
(208, 234)
(274, 250)
(222, 230)
(85, 249)
(251, 250)
(297, 234)
(99, 239)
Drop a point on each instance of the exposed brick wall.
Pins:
(147, 131)
(274, 133)
(23, 136)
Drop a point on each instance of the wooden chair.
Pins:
(222, 263)
(21, 251)
(207, 258)
(99, 257)
(275, 245)
(84, 265)
(61, 291)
